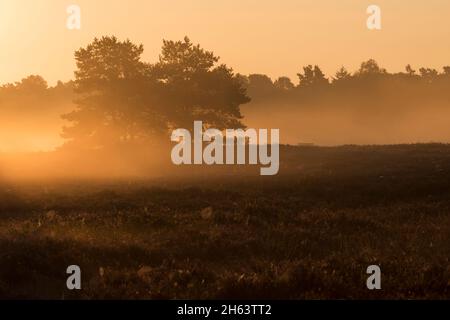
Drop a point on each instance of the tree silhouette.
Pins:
(409, 70)
(370, 67)
(446, 70)
(428, 74)
(109, 80)
(196, 87)
(342, 74)
(312, 77)
(284, 83)
(260, 85)
(33, 83)
(124, 100)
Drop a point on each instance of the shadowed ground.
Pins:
(310, 232)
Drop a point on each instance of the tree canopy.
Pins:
(125, 100)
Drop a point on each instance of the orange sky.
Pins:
(252, 36)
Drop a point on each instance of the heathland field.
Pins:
(310, 232)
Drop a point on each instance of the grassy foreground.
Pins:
(308, 233)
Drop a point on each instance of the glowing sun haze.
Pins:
(252, 36)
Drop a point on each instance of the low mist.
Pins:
(114, 120)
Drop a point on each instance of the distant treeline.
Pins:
(370, 83)
(367, 85)
(366, 106)
(34, 94)
(30, 114)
